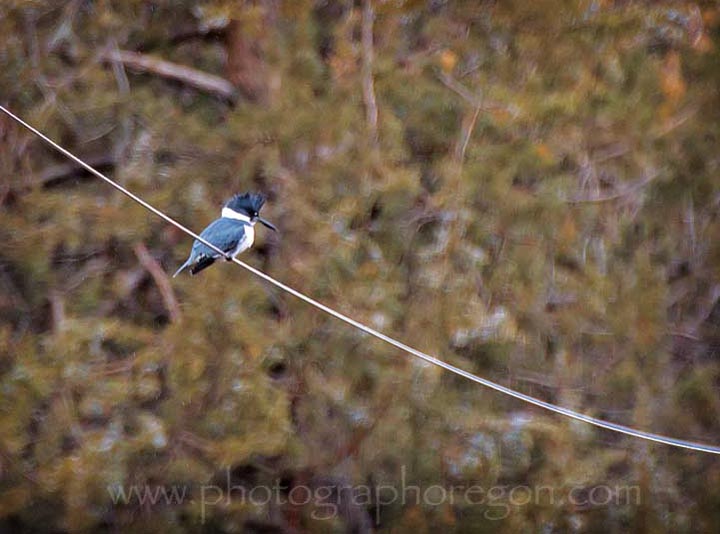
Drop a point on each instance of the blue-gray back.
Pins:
(225, 233)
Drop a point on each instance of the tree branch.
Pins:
(368, 86)
(161, 279)
(628, 189)
(477, 101)
(202, 81)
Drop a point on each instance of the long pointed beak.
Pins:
(267, 223)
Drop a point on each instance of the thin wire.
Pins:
(117, 186)
(658, 438)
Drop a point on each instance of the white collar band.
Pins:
(229, 213)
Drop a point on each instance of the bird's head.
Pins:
(249, 205)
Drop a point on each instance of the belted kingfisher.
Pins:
(233, 232)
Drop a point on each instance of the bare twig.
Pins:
(675, 122)
(477, 101)
(123, 85)
(194, 441)
(689, 220)
(195, 78)
(627, 190)
(95, 267)
(465, 136)
(368, 86)
(57, 310)
(705, 306)
(609, 153)
(456, 226)
(118, 367)
(161, 279)
(617, 150)
(687, 335)
(65, 28)
(459, 89)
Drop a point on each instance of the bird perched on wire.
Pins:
(233, 232)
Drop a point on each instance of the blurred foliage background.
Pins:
(528, 190)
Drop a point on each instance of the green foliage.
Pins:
(537, 204)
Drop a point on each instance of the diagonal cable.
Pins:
(614, 427)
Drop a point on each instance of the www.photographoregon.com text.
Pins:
(329, 500)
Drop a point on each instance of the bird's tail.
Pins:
(182, 268)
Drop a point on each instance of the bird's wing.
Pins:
(224, 233)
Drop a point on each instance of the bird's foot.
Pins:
(228, 257)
